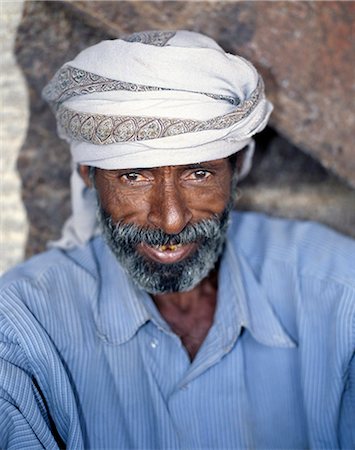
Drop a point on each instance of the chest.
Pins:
(147, 394)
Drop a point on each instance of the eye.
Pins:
(200, 174)
(132, 177)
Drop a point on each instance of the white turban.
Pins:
(153, 99)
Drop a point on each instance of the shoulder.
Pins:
(50, 270)
(54, 284)
(307, 272)
(41, 265)
(46, 290)
(310, 248)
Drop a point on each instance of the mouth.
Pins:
(167, 254)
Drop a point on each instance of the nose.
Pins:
(169, 210)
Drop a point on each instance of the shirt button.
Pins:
(154, 343)
(185, 387)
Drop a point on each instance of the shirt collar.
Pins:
(247, 301)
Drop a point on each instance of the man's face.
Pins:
(166, 225)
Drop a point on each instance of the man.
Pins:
(187, 326)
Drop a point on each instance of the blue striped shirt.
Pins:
(86, 358)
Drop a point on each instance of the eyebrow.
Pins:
(200, 165)
(193, 166)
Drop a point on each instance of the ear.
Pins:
(84, 172)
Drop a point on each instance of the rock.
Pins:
(13, 119)
(305, 53)
(288, 183)
(310, 105)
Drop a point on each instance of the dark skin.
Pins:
(169, 198)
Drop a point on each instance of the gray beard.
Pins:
(158, 278)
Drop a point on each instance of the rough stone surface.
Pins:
(284, 181)
(13, 124)
(288, 183)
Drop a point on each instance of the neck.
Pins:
(190, 314)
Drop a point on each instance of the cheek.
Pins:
(210, 199)
(123, 204)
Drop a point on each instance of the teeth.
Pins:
(171, 248)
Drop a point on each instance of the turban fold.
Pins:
(153, 99)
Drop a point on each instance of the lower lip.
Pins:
(167, 256)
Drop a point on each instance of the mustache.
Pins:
(132, 234)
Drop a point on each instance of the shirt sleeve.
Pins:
(24, 421)
(37, 404)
